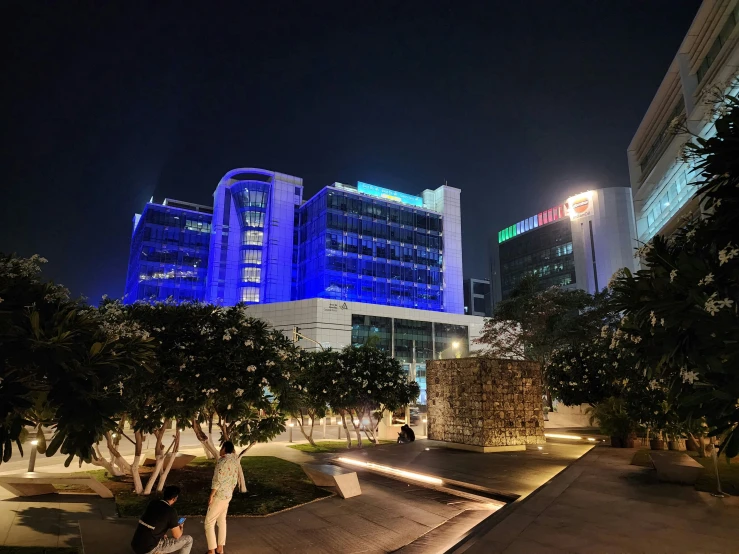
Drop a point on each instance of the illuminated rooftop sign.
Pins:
(543, 218)
(387, 194)
(580, 205)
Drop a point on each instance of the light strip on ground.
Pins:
(392, 471)
(558, 436)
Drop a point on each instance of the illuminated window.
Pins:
(252, 238)
(251, 218)
(251, 256)
(251, 274)
(250, 294)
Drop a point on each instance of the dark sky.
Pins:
(516, 103)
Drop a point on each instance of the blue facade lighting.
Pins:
(260, 243)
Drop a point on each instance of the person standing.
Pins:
(225, 477)
(151, 532)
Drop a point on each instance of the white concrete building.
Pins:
(706, 62)
(409, 335)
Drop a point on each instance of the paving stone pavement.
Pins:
(388, 515)
(603, 504)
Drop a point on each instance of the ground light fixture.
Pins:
(392, 471)
(290, 437)
(562, 436)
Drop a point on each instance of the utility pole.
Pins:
(411, 378)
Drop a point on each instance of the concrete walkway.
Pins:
(387, 516)
(603, 504)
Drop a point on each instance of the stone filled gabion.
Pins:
(485, 402)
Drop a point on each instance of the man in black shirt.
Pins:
(160, 517)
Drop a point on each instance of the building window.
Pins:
(252, 238)
(251, 256)
(251, 274)
(250, 294)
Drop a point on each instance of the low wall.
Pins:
(484, 404)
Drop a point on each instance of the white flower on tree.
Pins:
(728, 253)
(707, 280)
(673, 274)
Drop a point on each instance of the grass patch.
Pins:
(39, 550)
(272, 485)
(332, 446)
(728, 472)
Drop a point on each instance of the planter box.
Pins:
(675, 467)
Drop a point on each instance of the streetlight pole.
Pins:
(411, 378)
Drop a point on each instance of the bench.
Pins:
(676, 467)
(180, 461)
(34, 483)
(325, 475)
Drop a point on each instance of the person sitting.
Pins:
(406, 434)
(160, 517)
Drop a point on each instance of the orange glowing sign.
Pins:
(580, 205)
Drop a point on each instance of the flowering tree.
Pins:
(682, 304)
(535, 323)
(209, 358)
(364, 383)
(59, 358)
(308, 399)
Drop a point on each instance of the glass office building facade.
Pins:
(411, 342)
(366, 249)
(545, 252)
(578, 244)
(169, 252)
(263, 244)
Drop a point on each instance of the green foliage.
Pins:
(59, 350)
(682, 305)
(613, 417)
(534, 323)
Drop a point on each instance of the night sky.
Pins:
(518, 104)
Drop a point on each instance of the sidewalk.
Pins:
(603, 504)
(388, 515)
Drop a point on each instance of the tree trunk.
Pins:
(357, 429)
(102, 462)
(138, 488)
(342, 413)
(115, 456)
(159, 455)
(210, 450)
(242, 479)
(308, 436)
(170, 460)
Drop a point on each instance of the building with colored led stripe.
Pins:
(705, 66)
(577, 244)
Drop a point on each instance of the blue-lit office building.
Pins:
(350, 264)
(261, 243)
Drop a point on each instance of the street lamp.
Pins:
(291, 425)
(455, 346)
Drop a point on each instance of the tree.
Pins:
(59, 363)
(535, 323)
(364, 383)
(308, 400)
(681, 306)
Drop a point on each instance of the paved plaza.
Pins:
(568, 502)
(603, 504)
